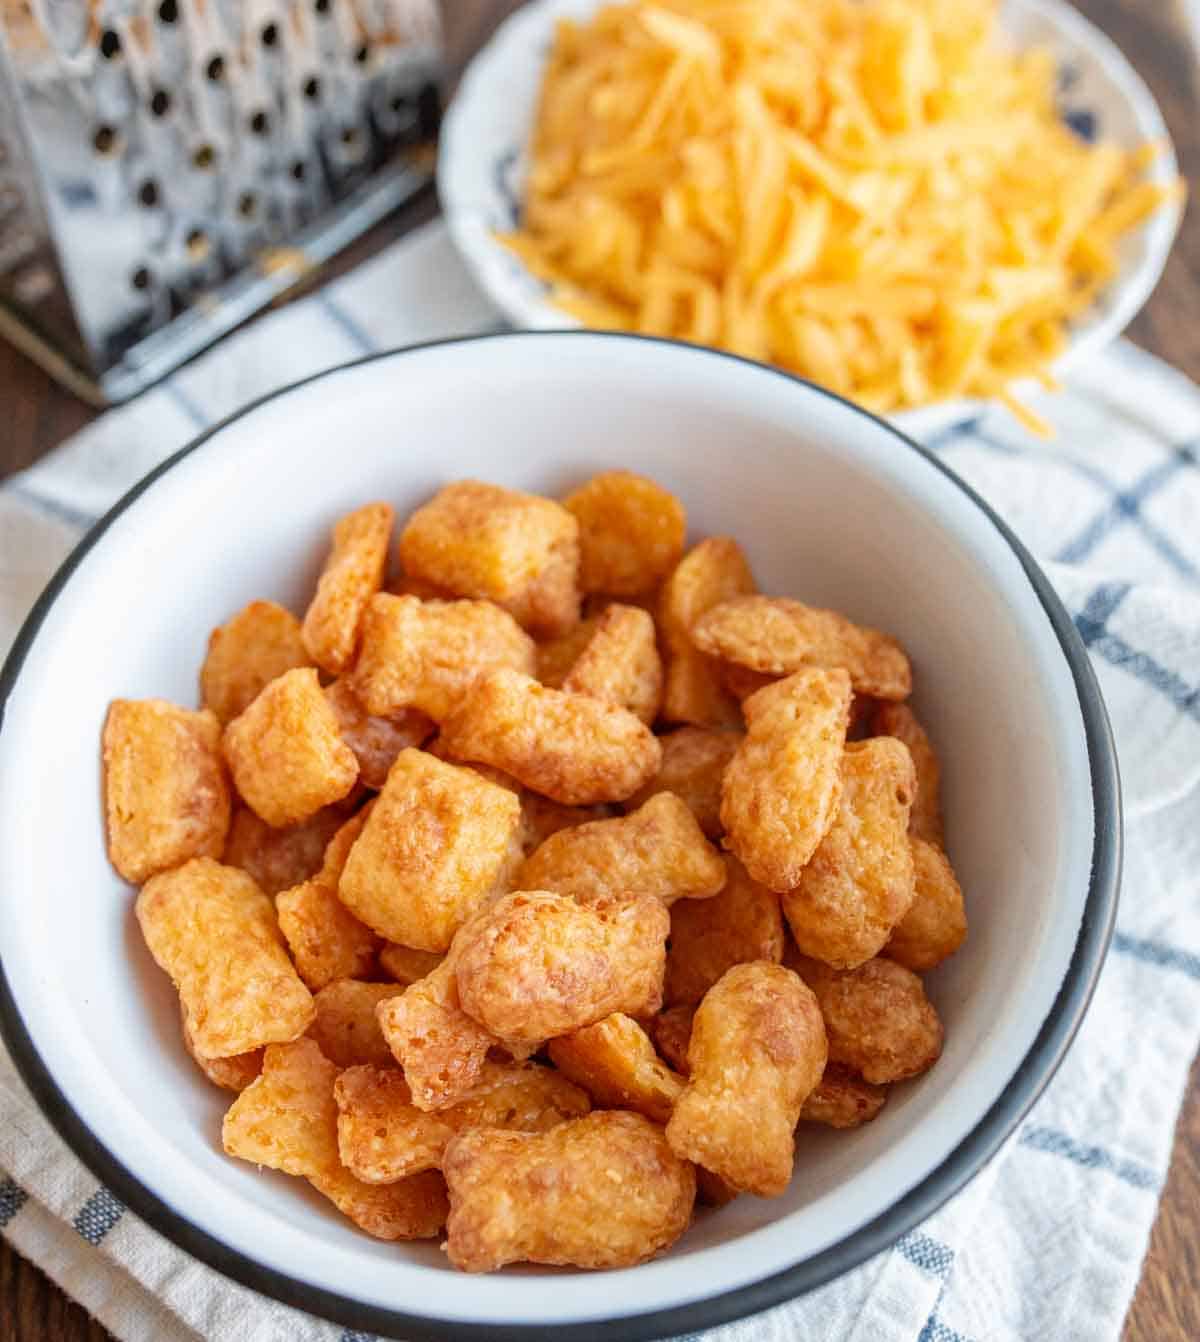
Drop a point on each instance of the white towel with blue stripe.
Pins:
(1048, 1241)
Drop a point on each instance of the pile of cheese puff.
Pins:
(558, 860)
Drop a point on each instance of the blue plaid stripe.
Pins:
(1155, 953)
(338, 314)
(351, 1336)
(62, 512)
(98, 1215)
(12, 1198)
(927, 1253)
(1056, 1143)
(936, 1331)
(184, 401)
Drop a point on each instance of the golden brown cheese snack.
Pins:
(277, 859)
(859, 883)
(346, 1026)
(375, 740)
(541, 817)
(383, 1136)
(935, 925)
(740, 681)
(781, 790)
(287, 1120)
(712, 572)
(615, 1062)
(900, 721)
(405, 965)
(214, 932)
(353, 573)
(671, 1031)
(536, 964)
(488, 543)
(425, 654)
(286, 752)
(620, 663)
(708, 936)
(233, 1073)
(556, 656)
(694, 760)
(657, 850)
(569, 747)
(777, 636)
(166, 797)
(878, 1019)
(434, 847)
(631, 532)
(757, 1052)
(246, 653)
(842, 1100)
(441, 1049)
(600, 1191)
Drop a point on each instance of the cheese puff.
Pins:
(246, 653)
(286, 752)
(375, 740)
(878, 1019)
(601, 1191)
(781, 790)
(757, 1052)
(777, 636)
(656, 850)
(346, 1026)
(383, 1136)
(353, 573)
(708, 936)
(425, 654)
(935, 925)
(214, 932)
(569, 747)
(711, 572)
(287, 1120)
(694, 760)
(900, 721)
(166, 796)
(556, 656)
(234, 1073)
(326, 940)
(842, 1100)
(488, 543)
(859, 883)
(620, 663)
(631, 532)
(538, 964)
(277, 859)
(434, 847)
(615, 1062)
(404, 965)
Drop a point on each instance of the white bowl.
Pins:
(832, 506)
(482, 162)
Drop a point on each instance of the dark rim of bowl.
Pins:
(1026, 1085)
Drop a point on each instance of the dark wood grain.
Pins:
(39, 415)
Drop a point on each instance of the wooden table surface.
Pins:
(1153, 35)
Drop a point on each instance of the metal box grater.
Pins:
(168, 167)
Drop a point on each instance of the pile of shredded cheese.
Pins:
(879, 195)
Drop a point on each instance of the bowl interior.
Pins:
(831, 507)
(482, 163)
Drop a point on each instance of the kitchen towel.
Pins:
(1048, 1240)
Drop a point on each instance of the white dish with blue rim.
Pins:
(482, 163)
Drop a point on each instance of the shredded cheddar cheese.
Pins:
(879, 195)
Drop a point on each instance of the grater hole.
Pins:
(270, 35)
(260, 123)
(148, 193)
(204, 157)
(110, 44)
(247, 205)
(106, 141)
(140, 279)
(299, 170)
(197, 244)
(215, 70)
(160, 103)
(312, 88)
(362, 54)
(399, 103)
(321, 6)
(168, 12)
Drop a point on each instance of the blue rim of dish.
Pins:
(971, 1154)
